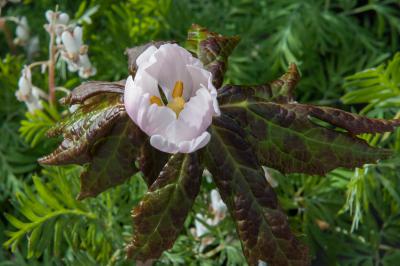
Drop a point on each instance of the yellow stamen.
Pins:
(156, 100)
(178, 89)
(177, 104)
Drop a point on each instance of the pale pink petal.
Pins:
(69, 42)
(169, 67)
(145, 56)
(162, 144)
(78, 33)
(204, 77)
(194, 144)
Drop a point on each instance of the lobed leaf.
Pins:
(160, 215)
(151, 162)
(280, 90)
(113, 159)
(285, 138)
(83, 128)
(262, 227)
(212, 49)
(93, 88)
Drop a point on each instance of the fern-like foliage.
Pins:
(377, 87)
(53, 219)
(33, 129)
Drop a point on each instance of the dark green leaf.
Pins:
(262, 227)
(159, 217)
(212, 49)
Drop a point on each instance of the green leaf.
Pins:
(159, 217)
(286, 139)
(212, 49)
(262, 227)
(113, 159)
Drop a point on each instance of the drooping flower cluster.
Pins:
(66, 42)
(69, 41)
(28, 93)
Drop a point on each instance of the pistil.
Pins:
(177, 103)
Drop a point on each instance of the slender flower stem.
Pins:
(52, 63)
(8, 35)
(38, 63)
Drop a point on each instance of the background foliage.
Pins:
(346, 51)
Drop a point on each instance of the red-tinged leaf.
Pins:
(280, 90)
(262, 227)
(284, 138)
(113, 159)
(212, 49)
(159, 217)
(151, 162)
(353, 123)
(93, 88)
(83, 128)
(283, 88)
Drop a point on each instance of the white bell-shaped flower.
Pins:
(28, 93)
(60, 18)
(218, 206)
(85, 67)
(177, 123)
(72, 43)
(22, 32)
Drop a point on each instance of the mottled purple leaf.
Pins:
(285, 138)
(92, 88)
(160, 215)
(113, 159)
(262, 227)
(212, 49)
(151, 162)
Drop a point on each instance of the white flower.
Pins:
(22, 32)
(72, 43)
(75, 53)
(201, 229)
(60, 18)
(218, 206)
(180, 124)
(27, 92)
(85, 67)
(272, 181)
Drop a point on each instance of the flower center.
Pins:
(177, 103)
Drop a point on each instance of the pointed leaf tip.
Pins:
(159, 217)
(212, 49)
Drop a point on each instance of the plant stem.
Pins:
(8, 35)
(52, 70)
